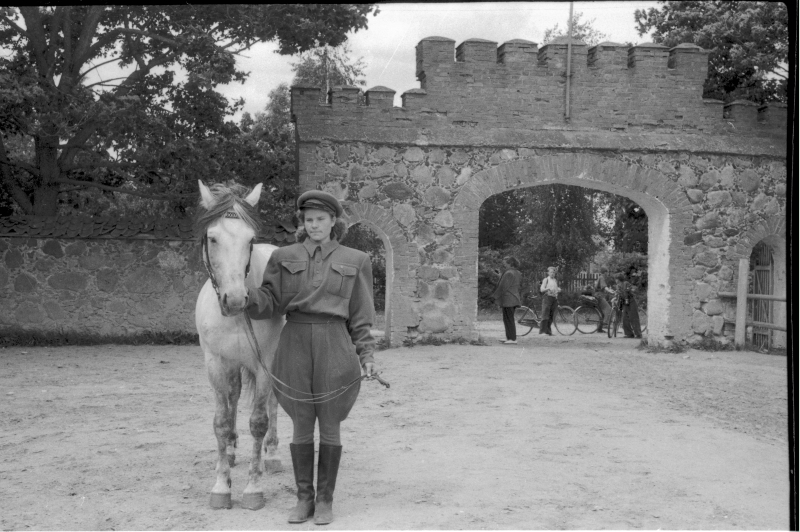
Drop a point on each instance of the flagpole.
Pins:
(569, 62)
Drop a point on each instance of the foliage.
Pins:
(20, 337)
(634, 265)
(327, 67)
(361, 237)
(583, 31)
(625, 223)
(558, 230)
(748, 44)
(151, 124)
(490, 261)
(499, 220)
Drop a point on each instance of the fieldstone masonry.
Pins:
(488, 119)
(101, 286)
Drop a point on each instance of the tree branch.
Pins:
(33, 21)
(15, 27)
(85, 40)
(55, 23)
(163, 197)
(95, 67)
(5, 161)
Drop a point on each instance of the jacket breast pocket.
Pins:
(292, 275)
(341, 280)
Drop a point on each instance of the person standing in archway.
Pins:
(630, 310)
(549, 290)
(507, 296)
(601, 286)
(325, 290)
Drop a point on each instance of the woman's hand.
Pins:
(369, 369)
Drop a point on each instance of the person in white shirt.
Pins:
(549, 290)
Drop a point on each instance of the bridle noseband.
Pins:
(207, 259)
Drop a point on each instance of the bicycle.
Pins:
(588, 318)
(615, 320)
(528, 316)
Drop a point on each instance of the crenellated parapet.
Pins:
(520, 86)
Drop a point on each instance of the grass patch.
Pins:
(19, 337)
(435, 340)
(673, 348)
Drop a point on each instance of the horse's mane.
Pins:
(226, 198)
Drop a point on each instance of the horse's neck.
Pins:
(258, 263)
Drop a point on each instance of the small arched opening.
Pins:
(767, 275)
(369, 239)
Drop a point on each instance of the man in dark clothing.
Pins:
(507, 296)
(600, 285)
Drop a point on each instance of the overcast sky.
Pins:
(387, 46)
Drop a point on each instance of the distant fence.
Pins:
(574, 284)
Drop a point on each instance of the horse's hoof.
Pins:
(221, 501)
(273, 465)
(253, 501)
(231, 460)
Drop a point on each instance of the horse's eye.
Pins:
(212, 240)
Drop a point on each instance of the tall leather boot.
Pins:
(327, 469)
(303, 464)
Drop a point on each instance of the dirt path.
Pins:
(555, 433)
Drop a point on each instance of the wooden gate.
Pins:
(761, 266)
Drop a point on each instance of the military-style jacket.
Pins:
(328, 279)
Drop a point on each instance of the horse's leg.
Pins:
(233, 438)
(253, 498)
(272, 463)
(223, 381)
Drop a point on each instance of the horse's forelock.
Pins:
(226, 199)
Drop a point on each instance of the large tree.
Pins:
(156, 126)
(748, 44)
(581, 30)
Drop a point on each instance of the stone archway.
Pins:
(772, 233)
(667, 209)
(401, 262)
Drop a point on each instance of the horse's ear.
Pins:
(255, 195)
(206, 198)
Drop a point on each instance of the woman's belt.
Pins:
(304, 317)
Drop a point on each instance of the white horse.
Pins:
(227, 224)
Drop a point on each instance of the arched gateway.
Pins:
(493, 120)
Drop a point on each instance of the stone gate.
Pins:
(487, 119)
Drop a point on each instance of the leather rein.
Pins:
(313, 398)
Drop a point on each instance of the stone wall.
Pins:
(100, 286)
(710, 181)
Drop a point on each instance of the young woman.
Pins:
(549, 290)
(507, 296)
(325, 290)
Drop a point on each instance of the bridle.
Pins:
(312, 398)
(207, 259)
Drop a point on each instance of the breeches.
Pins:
(316, 358)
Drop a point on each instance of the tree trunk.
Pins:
(45, 197)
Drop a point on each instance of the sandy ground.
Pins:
(577, 432)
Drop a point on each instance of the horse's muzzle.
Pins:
(232, 305)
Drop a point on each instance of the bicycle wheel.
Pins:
(587, 319)
(564, 320)
(524, 318)
(614, 324)
(643, 319)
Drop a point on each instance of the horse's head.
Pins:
(227, 224)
